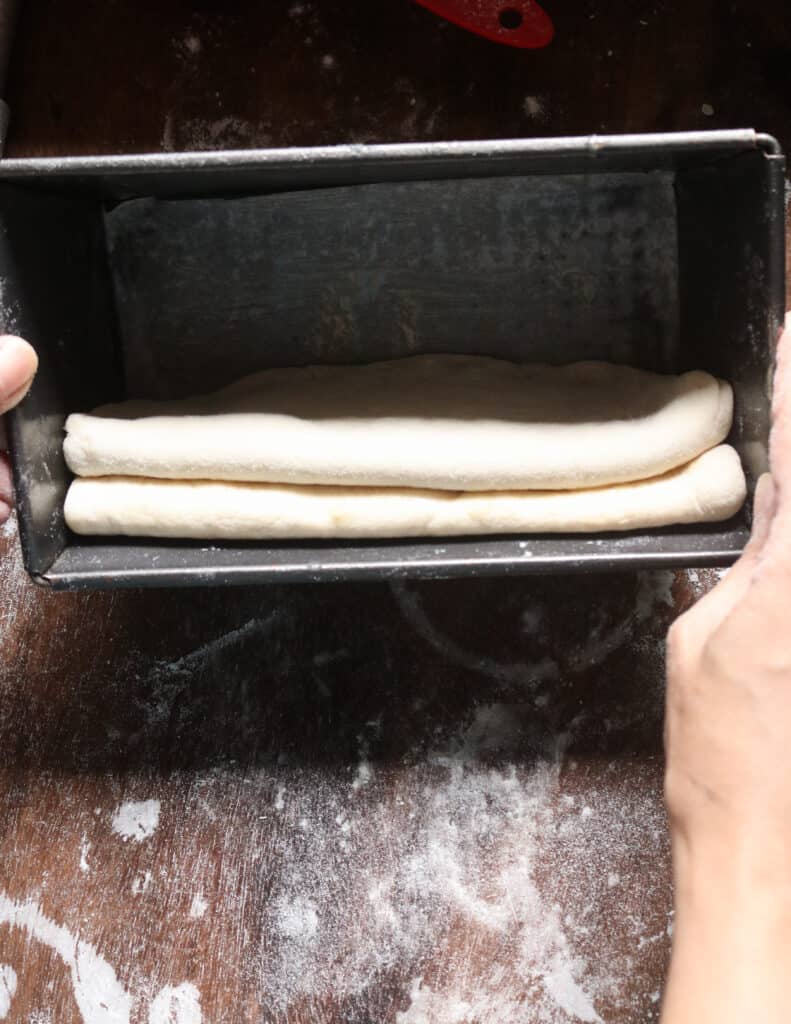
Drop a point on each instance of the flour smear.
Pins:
(453, 875)
(199, 906)
(100, 996)
(136, 820)
(176, 1005)
(8, 982)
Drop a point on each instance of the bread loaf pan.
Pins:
(161, 275)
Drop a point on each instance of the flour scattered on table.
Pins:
(655, 588)
(199, 906)
(18, 601)
(7, 988)
(39, 1016)
(701, 581)
(136, 820)
(222, 133)
(534, 108)
(192, 44)
(297, 919)
(490, 862)
(9, 312)
(410, 604)
(427, 1005)
(85, 849)
(179, 1005)
(363, 775)
(100, 997)
(495, 729)
(454, 866)
(564, 989)
(141, 883)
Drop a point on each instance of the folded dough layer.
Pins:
(447, 422)
(708, 489)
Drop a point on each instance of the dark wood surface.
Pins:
(371, 804)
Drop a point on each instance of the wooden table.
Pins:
(365, 804)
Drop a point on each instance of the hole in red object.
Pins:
(510, 18)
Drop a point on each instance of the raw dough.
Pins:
(450, 422)
(710, 488)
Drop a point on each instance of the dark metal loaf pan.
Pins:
(166, 274)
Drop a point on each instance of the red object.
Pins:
(519, 23)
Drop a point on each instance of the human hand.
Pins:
(728, 777)
(18, 364)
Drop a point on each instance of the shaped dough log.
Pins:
(708, 489)
(460, 423)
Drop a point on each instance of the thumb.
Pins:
(715, 606)
(18, 364)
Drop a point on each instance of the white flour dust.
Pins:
(495, 729)
(9, 313)
(535, 108)
(136, 820)
(99, 995)
(411, 606)
(7, 989)
(297, 920)
(85, 849)
(363, 775)
(19, 596)
(655, 589)
(222, 133)
(562, 986)
(428, 1007)
(701, 581)
(179, 1005)
(199, 657)
(141, 883)
(192, 44)
(450, 867)
(199, 906)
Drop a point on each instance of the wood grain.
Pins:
(362, 804)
